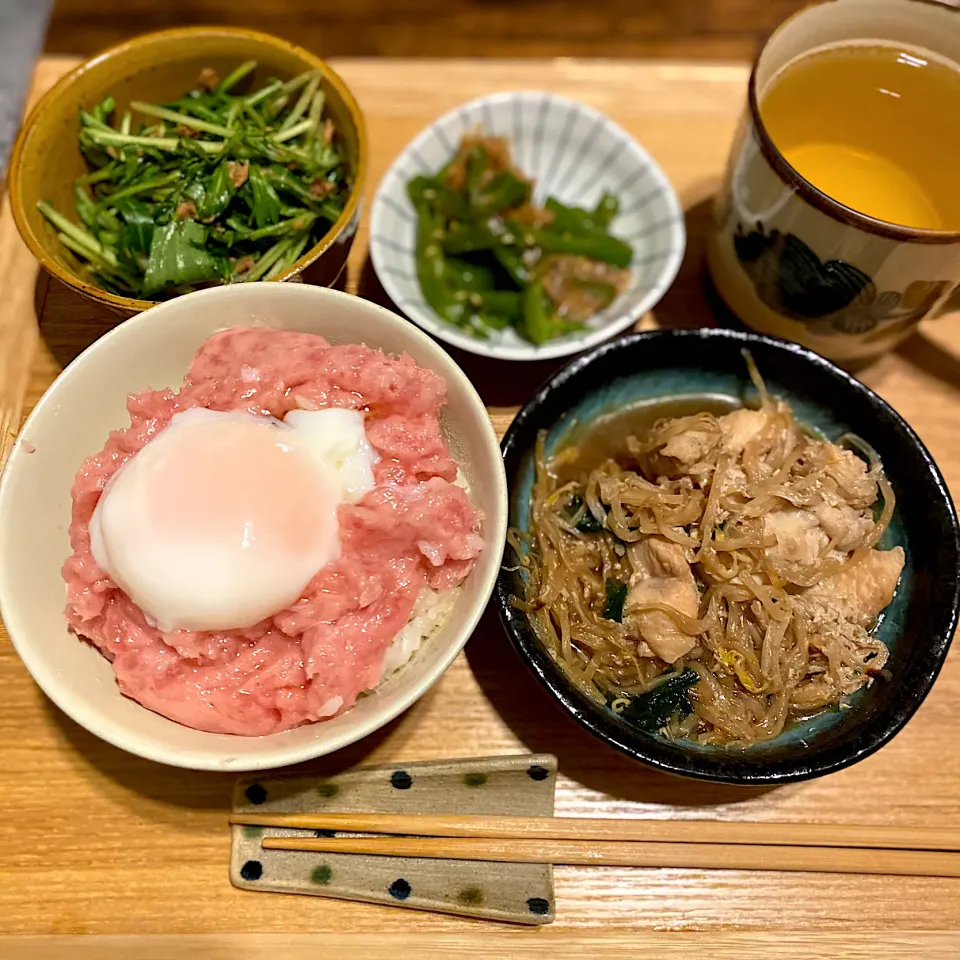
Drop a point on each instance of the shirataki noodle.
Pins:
(748, 552)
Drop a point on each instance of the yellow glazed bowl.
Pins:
(158, 67)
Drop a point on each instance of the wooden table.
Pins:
(693, 29)
(134, 855)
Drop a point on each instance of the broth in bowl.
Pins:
(712, 575)
(619, 488)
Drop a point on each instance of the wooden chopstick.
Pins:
(669, 831)
(607, 853)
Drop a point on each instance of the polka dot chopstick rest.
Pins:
(520, 786)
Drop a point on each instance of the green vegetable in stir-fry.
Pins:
(616, 592)
(219, 186)
(587, 522)
(652, 710)
(488, 259)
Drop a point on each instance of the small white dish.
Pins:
(72, 421)
(575, 154)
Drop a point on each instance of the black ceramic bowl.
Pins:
(918, 625)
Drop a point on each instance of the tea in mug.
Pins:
(873, 126)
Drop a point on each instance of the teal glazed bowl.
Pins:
(917, 627)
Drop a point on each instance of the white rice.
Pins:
(429, 612)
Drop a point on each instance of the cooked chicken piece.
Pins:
(846, 527)
(658, 629)
(799, 538)
(690, 447)
(841, 472)
(693, 451)
(860, 592)
(662, 576)
(740, 427)
(734, 481)
(849, 473)
(803, 535)
(658, 557)
(645, 650)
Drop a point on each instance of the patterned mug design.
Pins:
(790, 260)
(830, 296)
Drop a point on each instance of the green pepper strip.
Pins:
(606, 209)
(468, 238)
(595, 246)
(511, 260)
(505, 304)
(503, 192)
(430, 271)
(462, 275)
(569, 218)
(536, 319)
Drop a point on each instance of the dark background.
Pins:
(700, 29)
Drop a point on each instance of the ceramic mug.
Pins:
(788, 259)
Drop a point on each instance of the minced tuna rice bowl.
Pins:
(263, 546)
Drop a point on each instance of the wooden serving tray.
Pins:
(134, 856)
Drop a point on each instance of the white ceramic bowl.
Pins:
(72, 421)
(575, 154)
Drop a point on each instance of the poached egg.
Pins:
(223, 518)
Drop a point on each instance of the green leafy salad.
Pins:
(219, 186)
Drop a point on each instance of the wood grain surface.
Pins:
(714, 29)
(18, 329)
(97, 842)
(492, 944)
